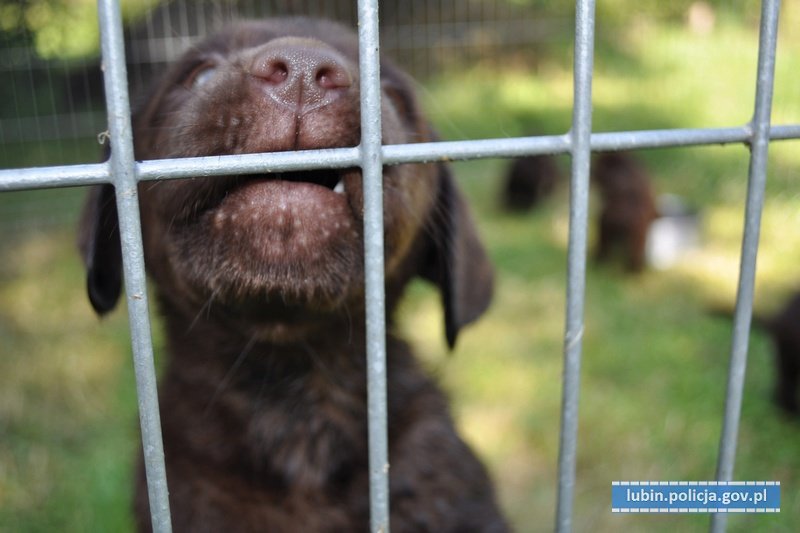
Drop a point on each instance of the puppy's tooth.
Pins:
(339, 187)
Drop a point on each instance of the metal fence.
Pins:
(125, 173)
(60, 100)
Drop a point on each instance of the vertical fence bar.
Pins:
(372, 169)
(759, 148)
(576, 271)
(123, 172)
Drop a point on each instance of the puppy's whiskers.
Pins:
(205, 309)
(229, 375)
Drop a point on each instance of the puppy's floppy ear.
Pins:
(456, 260)
(99, 244)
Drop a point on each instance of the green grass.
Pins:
(654, 365)
(67, 400)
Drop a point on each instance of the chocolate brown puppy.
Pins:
(259, 280)
(628, 208)
(529, 180)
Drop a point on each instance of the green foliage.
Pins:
(65, 29)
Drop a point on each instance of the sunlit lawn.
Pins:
(654, 361)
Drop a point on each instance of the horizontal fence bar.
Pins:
(16, 179)
(249, 163)
(484, 148)
(558, 144)
(784, 132)
(393, 154)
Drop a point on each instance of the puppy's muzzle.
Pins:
(300, 74)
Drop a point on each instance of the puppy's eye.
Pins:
(200, 75)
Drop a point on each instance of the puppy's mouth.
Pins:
(288, 218)
(200, 200)
(329, 178)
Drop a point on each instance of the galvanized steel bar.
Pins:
(47, 177)
(631, 140)
(226, 165)
(123, 172)
(70, 175)
(576, 269)
(372, 167)
(759, 148)
(784, 132)
(478, 149)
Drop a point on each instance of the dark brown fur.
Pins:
(628, 208)
(529, 180)
(260, 284)
(785, 331)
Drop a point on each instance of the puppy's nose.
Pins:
(301, 74)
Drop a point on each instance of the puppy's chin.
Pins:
(278, 254)
(282, 323)
(283, 225)
(280, 304)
